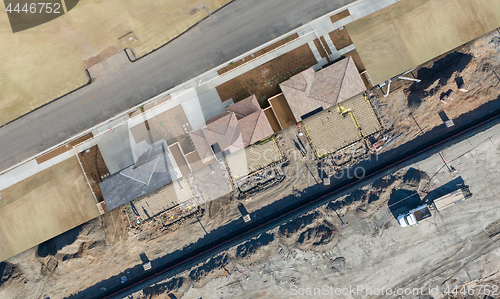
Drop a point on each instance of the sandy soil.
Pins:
(49, 60)
(28, 208)
(80, 247)
(307, 235)
(415, 109)
(403, 35)
(316, 249)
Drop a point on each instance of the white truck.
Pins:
(422, 212)
(414, 216)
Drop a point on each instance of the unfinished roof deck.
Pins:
(253, 158)
(341, 125)
(161, 200)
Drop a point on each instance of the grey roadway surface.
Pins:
(232, 31)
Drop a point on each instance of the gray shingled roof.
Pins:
(154, 171)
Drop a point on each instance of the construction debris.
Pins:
(464, 87)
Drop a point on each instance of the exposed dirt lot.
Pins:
(95, 168)
(415, 109)
(356, 240)
(82, 246)
(28, 208)
(393, 40)
(340, 38)
(47, 61)
(263, 81)
(235, 64)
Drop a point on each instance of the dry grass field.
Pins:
(43, 206)
(411, 32)
(47, 61)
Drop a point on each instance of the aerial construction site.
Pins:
(355, 155)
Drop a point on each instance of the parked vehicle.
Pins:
(414, 216)
(422, 212)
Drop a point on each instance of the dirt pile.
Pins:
(315, 232)
(311, 230)
(10, 273)
(436, 77)
(49, 265)
(86, 241)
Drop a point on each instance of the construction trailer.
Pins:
(452, 198)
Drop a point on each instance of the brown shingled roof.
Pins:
(254, 128)
(243, 123)
(202, 145)
(309, 90)
(245, 107)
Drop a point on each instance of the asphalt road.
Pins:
(237, 28)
